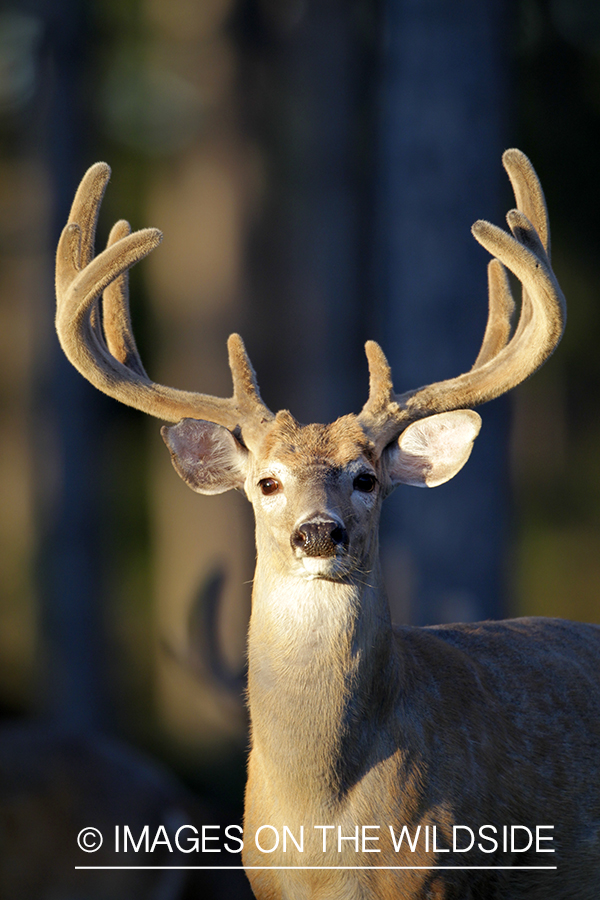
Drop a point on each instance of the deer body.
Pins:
(357, 724)
(454, 742)
(376, 751)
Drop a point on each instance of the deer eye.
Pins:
(269, 486)
(364, 483)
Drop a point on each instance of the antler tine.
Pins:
(116, 319)
(531, 201)
(501, 309)
(528, 192)
(103, 348)
(86, 207)
(501, 363)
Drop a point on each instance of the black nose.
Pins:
(319, 538)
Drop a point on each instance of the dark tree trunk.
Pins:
(72, 672)
(304, 102)
(442, 129)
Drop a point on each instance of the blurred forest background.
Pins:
(315, 166)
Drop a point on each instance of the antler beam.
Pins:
(94, 327)
(502, 363)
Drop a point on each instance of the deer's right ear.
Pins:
(206, 456)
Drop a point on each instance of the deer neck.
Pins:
(315, 647)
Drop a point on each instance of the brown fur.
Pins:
(298, 445)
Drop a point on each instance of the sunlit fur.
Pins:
(354, 723)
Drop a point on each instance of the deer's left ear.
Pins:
(432, 450)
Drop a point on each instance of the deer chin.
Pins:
(329, 567)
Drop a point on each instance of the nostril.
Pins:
(339, 535)
(299, 538)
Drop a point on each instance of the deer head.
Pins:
(316, 489)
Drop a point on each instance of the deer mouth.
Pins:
(331, 568)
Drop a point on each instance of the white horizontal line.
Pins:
(277, 868)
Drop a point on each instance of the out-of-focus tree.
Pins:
(557, 414)
(442, 126)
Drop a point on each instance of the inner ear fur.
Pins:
(432, 450)
(207, 456)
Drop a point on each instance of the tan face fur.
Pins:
(317, 492)
(317, 489)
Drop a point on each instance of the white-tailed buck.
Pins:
(446, 762)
